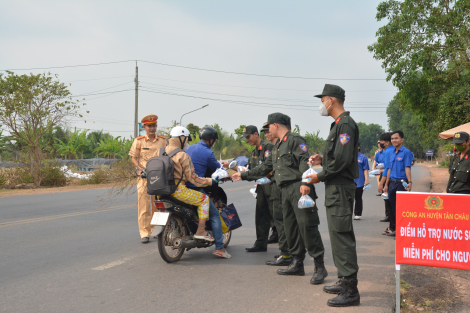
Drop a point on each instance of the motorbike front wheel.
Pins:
(174, 229)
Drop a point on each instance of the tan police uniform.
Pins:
(143, 149)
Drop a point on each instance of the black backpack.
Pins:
(160, 176)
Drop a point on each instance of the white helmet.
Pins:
(180, 131)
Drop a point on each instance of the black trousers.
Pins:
(392, 196)
(358, 201)
(387, 203)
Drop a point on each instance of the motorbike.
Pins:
(177, 232)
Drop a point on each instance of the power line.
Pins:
(101, 93)
(238, 86)
(87, 80)
(252, 97)
(259, 104)
(198, 69)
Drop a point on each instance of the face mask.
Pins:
(382, 146)
(323, 109)
(186, 146)
(460, 147)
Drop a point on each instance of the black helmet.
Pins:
(208, 133)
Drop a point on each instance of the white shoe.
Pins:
(357, 217)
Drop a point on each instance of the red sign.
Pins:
(433, 229)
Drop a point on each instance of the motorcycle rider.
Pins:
(205, 164)
(184, 172)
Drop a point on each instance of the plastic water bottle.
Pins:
(404, 184)
(366, 187)
(263, 181)
(384, 196)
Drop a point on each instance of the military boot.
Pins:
(295, 268)
(349, 296)
(319, 273)
(336, 288)
(279, 260)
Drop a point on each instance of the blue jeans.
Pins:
(216, 225)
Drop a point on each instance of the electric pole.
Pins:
(136, 122)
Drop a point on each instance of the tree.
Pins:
(31, 105)
(424, 49)
(418, 138)
(75, 145)
(239, 131)
(369, 134)
(314, 142)
(110, 147)
(193, 129)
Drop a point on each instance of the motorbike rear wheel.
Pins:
(173, 230)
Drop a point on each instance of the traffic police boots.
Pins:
(279, 260)
(319, 273)
(348, 294)
(295, 268)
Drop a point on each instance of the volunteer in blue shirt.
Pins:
(378, 159)
(362, 181)
(205, 164)
(386, 145)
(399, 172)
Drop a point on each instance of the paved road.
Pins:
(64, 253)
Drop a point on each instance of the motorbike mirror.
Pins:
(232, 164)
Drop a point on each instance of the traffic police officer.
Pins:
(141, 151)
(340, 168)
(263, 215)
(289, 160)
(459, 168)
(284, 257)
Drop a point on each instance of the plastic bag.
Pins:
(253, 192)
(373, 173)
(306, 202)
(366, 187)
(220, 174)
(263, 181)
(384, 196)
(242, 169)
(380, 165)
(306, 173)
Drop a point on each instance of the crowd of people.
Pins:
(283, 158)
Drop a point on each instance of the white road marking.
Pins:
(122, 261)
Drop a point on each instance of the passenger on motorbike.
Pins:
(205, 164)
(184, 170)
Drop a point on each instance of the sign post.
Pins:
(432, 230)
(429, 153)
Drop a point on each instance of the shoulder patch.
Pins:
(267, 153)
(140, 137)
(344, 138)
(303, 147)
(161, 136)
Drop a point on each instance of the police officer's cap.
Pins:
(333, 91)
(149, 119)
(250, 129)
(460, 137)
(278, 118)
(265, 127)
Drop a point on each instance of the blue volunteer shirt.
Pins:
(379, 157)
(398, 161)
(386, 159)
(363, 163)
(203, 159)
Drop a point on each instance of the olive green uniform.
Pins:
(263, 213)
(278, 216)
(340, 168)
(459, 179)
(289, 160)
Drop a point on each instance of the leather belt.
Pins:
(399, 181)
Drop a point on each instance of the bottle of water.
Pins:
(366, 187)
(384, 196)
(404, 184)
(263, 181)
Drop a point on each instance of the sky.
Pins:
(308, 43)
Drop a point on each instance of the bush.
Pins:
(99, 176)
(52, 175)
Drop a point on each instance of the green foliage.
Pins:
(418, 138)
(110, 147)
(193, 129)
(52, 175)
(75, 146)
(32, 105)
(97, 177)
(239, 131)
(314, 142)
(195, 140)
(424, 50)
(369, 134)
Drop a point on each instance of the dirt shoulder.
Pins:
(431, 289)
(30, 192)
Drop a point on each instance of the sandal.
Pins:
(387, 231)
(225, 255)
(206, 237)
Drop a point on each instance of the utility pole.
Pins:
(136, 122)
